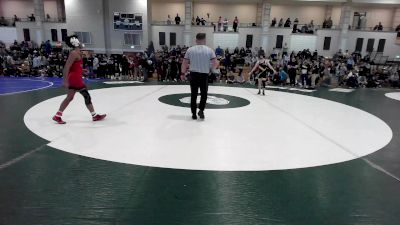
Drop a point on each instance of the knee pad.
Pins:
(263, 83)
(86, 96)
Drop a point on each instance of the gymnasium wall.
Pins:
(33, 28)
(209, 31)
(335, 38)
(22, 8)
(167, 30)
(377, 14)
(8, 35)
(160, 10)
(87, 16)
(246, 13)
(391, 48)
(304, 13)
(117, 36)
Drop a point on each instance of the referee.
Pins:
(199, 59)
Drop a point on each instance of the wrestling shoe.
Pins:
(194, 117)
(99, 117)
(58, 120)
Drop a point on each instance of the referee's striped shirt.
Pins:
(200, 57)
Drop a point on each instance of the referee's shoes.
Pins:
(201, 115)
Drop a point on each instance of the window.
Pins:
(381, 45)
(172, 39)
(161, 38)
(279, 41)
(84, 37)
(370, 45)
(327, 43)
(359, 44)
(54, 35)
(132, 39)
(27, 35)
(64, 34)
(249, 41)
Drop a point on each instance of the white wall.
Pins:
(304, 13)
(50, 7)
(334, 34)
(246, 13)
(336, 13)
(22, 8)
(167, 29)
(86, 16)
(161, 10)
(209, 31)
(391, 48)
(33, 27)
(8, 35)
(243, 32)
(117, 36)
(274, 32)
(376, 15)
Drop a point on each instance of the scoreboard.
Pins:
(128, 21)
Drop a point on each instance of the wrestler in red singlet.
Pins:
(73, 80)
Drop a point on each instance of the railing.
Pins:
(167, 23)
(206, 24)
(10, 21)
(385, 29)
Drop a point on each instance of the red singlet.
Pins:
(75, 79)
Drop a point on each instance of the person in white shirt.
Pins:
(225, 24)
(199, 60)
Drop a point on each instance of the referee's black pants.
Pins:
(198, 80)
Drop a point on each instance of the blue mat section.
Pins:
(15, 85)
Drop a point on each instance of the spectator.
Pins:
(280, 24)
(169, 21)
(288, 23)
(3, 21)
(219, 51)
(378, 27)
(15, 20)
(235, 24)
(95, 65)
(261, 52)
(273, 23)
(329, 23)
(32, 18)
(398, 28)
(177, 19)
(225, 23)
(203, 21)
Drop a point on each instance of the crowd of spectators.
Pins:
(303, 69)
(29, 59)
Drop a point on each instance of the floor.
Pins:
(329, 156)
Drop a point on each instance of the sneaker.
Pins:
(99, 117)
(194, 117)
(58, 120)
(201, 114)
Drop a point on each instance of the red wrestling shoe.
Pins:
(99, 117)
(58, 120)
